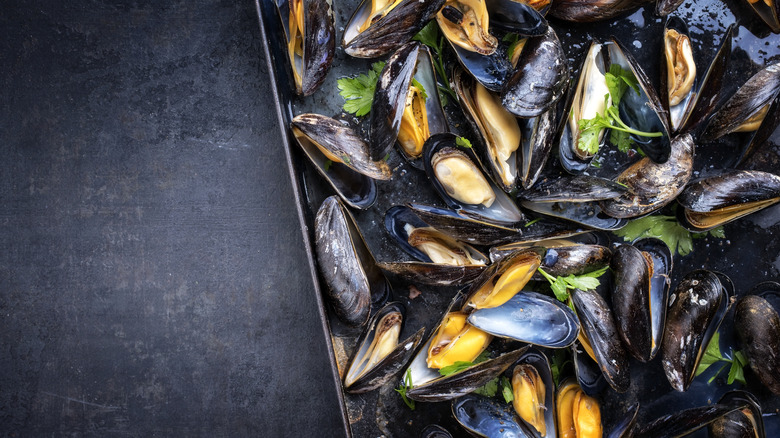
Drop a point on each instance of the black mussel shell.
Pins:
(540, 79)
(651, 185)
(388, 366)
(581, 11)
(744, 423)
(516, 17)
(353, 280)
(532, 318)
(565, 238)
(463, 382)
(486, 417)
(769, 12)
(463, 228)
(342, 143)
(758, 327)
(698, 305)
(389, 32)
(666, 7)
(575, 260)
(589, 375)
(588, 214)
(433, 274)
(713, 201)
(538, 133)
(503, 210)
(599, 326)
(625, 427)
(319, 42)
(579, 188)
(759, 91)
(685, 422)
(492, 71)
(390, 99)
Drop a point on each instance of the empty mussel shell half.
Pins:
(346, 264)
(716, 200)
(653, 185)
(457, 176)
(380, 27)
(757, 325)
(486, 417)
(311, 41)
(743, 423)
(698, 305)
(640, 294)
(379, 355)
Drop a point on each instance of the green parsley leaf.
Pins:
(506, 389)
(621, 139)
(489, 389)
(463, 142)
(428, 35)
(405, 386)
(561, 285)
(358, 92)
(528, 224)
(558, 363)
(327, 165)
(666, 228)
(456, 367)
(420, 87)
(711, 354)
(618, 81)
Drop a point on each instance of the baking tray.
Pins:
(749, 254)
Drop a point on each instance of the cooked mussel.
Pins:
(503, 280)
(698, 305)
(686, 422)
(465, 23)
(742, 423)
(346, 264)
(680, 66)
(456, 341)
(713, 201)
(769, 11)
(379, 355)
(533, 391)
(311, 41)
(757, 324)
(578, 414)
(379, 27)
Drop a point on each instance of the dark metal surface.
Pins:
(153, 280)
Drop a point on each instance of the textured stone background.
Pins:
(152, 276)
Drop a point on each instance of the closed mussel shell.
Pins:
(575, 260)
(698, 305)
(686, 421)
(581, 11)
(486, 417)
(346, 264)
(742, 423)
(369, 369)
(757, 325)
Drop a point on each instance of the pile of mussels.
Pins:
(522, 107)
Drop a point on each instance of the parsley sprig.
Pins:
(358, 92)
(430, 36)
(561, 285)
(618, 82)
(667, 229)
(736, 362)
(404, 387)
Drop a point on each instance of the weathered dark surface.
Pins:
(152, 274)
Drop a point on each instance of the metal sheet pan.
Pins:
(749, 254)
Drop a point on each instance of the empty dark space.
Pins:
(153, 280)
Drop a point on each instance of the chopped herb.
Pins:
(358, 92)
(506, 389)
(405, 386)
(420, 87)
(532, 222)
(327, 165)
(429, 35)
(489, 389)
(558, 363)
(461, 365)
(387, 157)
(561, 285)
(713, 355)
(666, 228)
(463, 142)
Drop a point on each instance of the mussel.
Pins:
(757, 324)
(742, 423)
(769, 11)
(503, 280)
(713, 201)
(686, 422)
(578, 414)
(533, 391)
(591, 10)
(698, 305)
(311, 41)
(379, 355)
(456, 341)
(465, 23)
(486, 417)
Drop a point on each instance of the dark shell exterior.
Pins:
(541, 78)
(698, 305)
(391, 31)
(435, 431)
(575, 260)
(758, 326)
(684, 422)
(538, 133)
(744, 423)
(729, 188)
(651, 186)
(578, 188)
(487, 417)
(598, 323)
(581, 11)
(589, 375)
(516, 17)
(588, 214)
(433, 274)
(391, 364)
(625, 427)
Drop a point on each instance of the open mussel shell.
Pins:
(687, 421)
(598, 325)
(379, 355)
(752, 105)
(769, 11)
(578, 414)
(391, 31)
(457, 176)
(486, 417)
(520, 17)
(589, 375)
(700, 100)
(757, 325)
(565, 238)
(533, 390)
(339, 143)
(625, 426)
(717, 200)
(698, 305)
(311, 61)
(538, 134)
(346, 264)
(502, 280)
(574, 260)
(582, 11)
(463, 382)
(653, 185)
(640, 295)
(742, 423)
(395, 115)
(575, 199)
(532, 318)
(541, 78)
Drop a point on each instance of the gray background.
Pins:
(152, 274)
